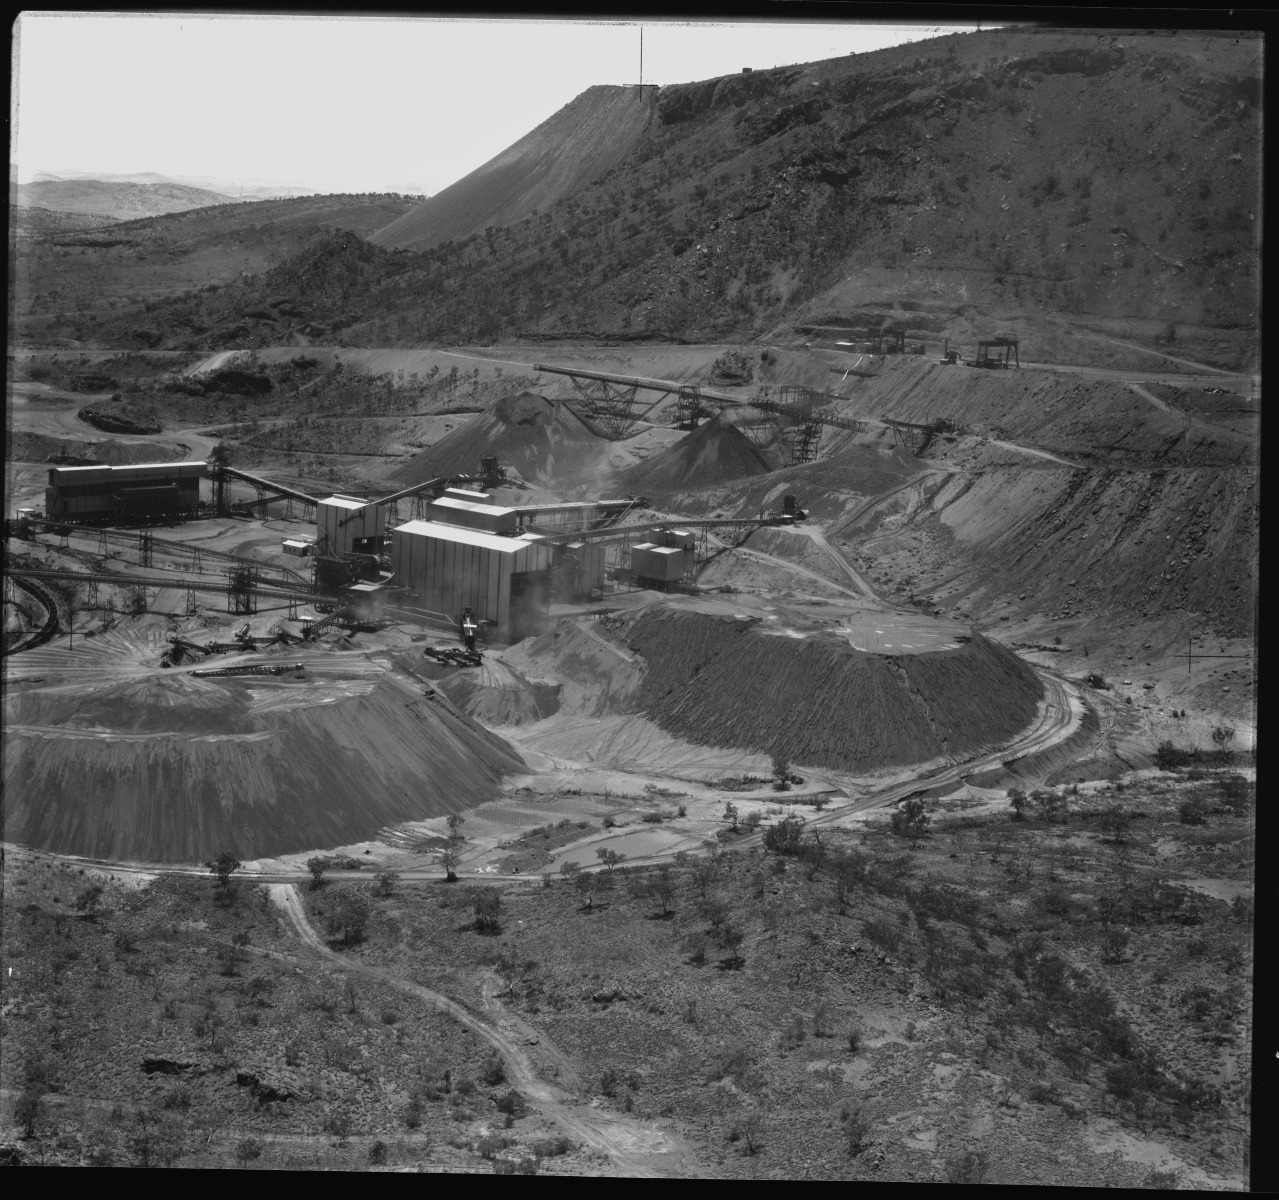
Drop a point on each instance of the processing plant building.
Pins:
(106, 495)
(504, 581)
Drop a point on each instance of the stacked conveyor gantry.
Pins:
(802, 409)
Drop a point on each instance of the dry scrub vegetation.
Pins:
(943, 994)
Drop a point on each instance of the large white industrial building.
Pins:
(502, 580)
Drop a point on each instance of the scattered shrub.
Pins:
(969, 1167)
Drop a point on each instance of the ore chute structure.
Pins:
(794, 420)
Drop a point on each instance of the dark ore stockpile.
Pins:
(720, 682)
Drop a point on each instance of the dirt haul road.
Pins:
(37, 408)
(609, 1135)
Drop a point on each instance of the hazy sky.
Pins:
(350, 104)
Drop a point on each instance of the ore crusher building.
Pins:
(469, 556)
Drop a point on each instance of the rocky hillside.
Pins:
(119, 199)
(75, 267)
(1074, 186)
(569, 150)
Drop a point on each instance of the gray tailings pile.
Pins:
(544, 440)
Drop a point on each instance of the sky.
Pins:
(356, 104)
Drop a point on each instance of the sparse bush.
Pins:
(486, 904)
(317, 865)
(377, 1153)
(1168, 757)
(1115, 822)
(223, 867)
(1114, 944)
(348, 916)
(856, 1128)
(969, 1167)
(27, 1110)
(786, 837)
(490, 1147)
(386, 882)
(494, 1071)
(910, 820)
(551, 1147)
(883, 933)
(512, 1104)
(695, 946)
(247, 1150)
(88, 899)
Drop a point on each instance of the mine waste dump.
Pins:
(542, 440)
(109, 757)
(722, 681)
(712, 454)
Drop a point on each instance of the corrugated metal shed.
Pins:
(489, 517)
(449, 568)
(341, 522)
(467, 495)
(663, 564)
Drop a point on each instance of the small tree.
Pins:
(1222, 736)
(910, 820)
(969, 1167)
(586, 882)
(223, 867)
(317, 865)
(750, 1128)
(248, 1150)
(730, 814)
(1115, 822)
(663, 889)
(88, 900)
(1114, 944)
(786, 836)
(449, 859)
(28, 1109)
(347, 916)
(386, 881)
(856, 1131)
(455, 823)
(705, 872)
(730, 938)
(1017, 801)
(234, 954)
(781, 773)
(610, 858)
(486, 903)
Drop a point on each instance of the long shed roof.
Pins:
(468, 537)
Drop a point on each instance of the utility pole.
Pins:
(641, 82)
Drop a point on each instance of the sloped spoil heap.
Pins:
(714, 453)
(561, 156)
(817, 700)
(169, 767)
(542, 439)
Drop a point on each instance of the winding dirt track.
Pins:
(606, 1135)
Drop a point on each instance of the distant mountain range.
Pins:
(233, 189)
(126, 201)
